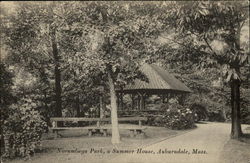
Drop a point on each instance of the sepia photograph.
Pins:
(124, 82)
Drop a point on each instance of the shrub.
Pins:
(200, 110)
(178, 118)
(246, 120)
(22, 129)
(216, 116)
(174, 117)
(245, 115)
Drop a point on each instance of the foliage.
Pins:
(199, 109)
(116, 37)
(21, 123)
(23, 129)
(245, 119)
(226, 30)
(217, 28)
(178, 117)
(106, 41)
(175, 117)
(6, 96)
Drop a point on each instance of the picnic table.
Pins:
(100, 128)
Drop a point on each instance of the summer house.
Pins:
(160, 82)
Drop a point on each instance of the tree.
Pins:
(115, 36)
(106, 54)
(217, 23)
(31, 38)
(6, 97)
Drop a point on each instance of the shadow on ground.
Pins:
(237, 151)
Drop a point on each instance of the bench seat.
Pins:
(134, 130)
(100, 128)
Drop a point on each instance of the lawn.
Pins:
(237, 151)
(58, 150)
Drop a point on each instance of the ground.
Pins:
(209, 142)
(238, 151)
(52, 149)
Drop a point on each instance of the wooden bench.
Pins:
(98, 128)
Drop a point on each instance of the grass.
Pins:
(77, 139)
(237, 151)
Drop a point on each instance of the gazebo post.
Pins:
(182, 98)
(163, 98)
(120, 100)
(142, 101)
(133, 101)
(138, 102)
(168, 96)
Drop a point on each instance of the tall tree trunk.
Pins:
(118, 101)
(101, 107)
(121, 101)
(114, 118)
(78, 106)
(236, 131)
(57, 73)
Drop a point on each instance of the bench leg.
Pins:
(56, 134)
(132, 133)
(140, 134)
(143, 134)
(98, 131)
(104, 132)
(90, 133)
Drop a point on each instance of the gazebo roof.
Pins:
(159, 81)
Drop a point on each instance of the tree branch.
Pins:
(174, 41)
(218, 58)
(209, 46)
(241, 25)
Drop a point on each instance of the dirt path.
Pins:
(209, 139)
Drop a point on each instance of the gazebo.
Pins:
(160, 82)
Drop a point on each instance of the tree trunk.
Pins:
(121, 102)
(118, 101)
(114, 118)
(78, 106)
(236, 131)
(57, 73)
(101, 107)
